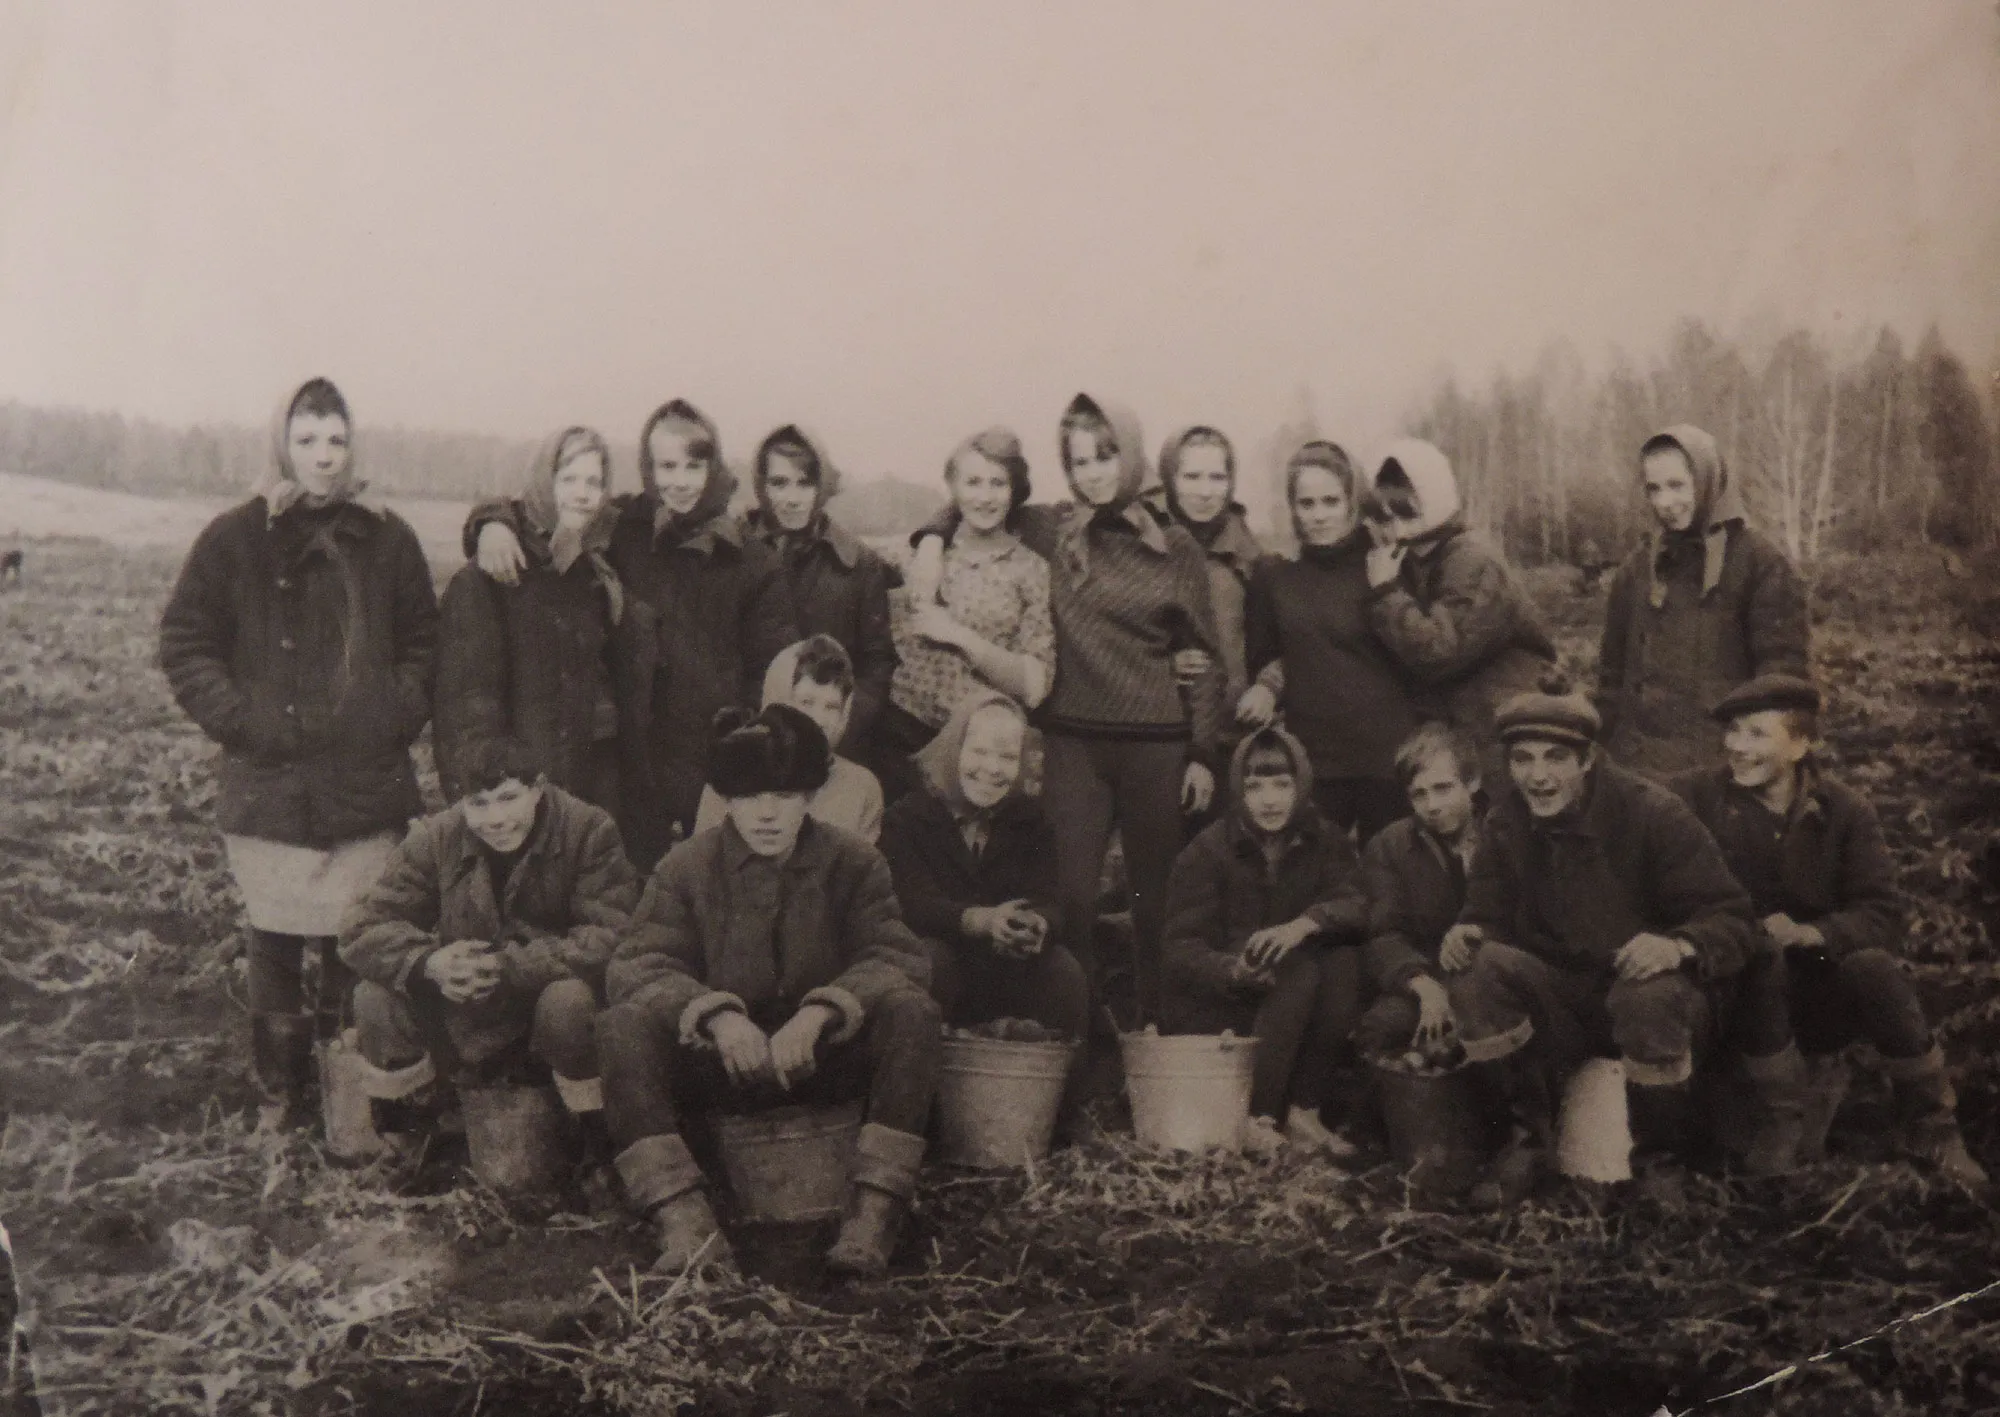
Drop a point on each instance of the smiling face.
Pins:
(1764, 747)
(679, 473)
(989, 762)
(503, 816)
(768, 822)
(1201, 482)
(1670, 488)
(981, 491)
(825, 704)
(1551, 776)
(1440, 798)
(1323, 506)
(1090, 454)
(580, 486)
(317, 446)
(792, 491)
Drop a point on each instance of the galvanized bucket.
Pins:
(998, 1099)
(1190, 1092)
(790, 1163)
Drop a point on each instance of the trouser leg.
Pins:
(1389, 1025)
(1148, 787)
(637, 1058)
(564, 1036)
(904, 1047)
(1079, 806)
(1526, 1025)
(1284, 1017)
(1761, 1031)
(1657, 1025)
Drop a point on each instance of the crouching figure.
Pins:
(481, 950)
(1599, 919)
(768, 964)
(1810, 852)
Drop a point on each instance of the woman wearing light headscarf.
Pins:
(300, 636)
(541, 660)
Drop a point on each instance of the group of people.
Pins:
(726, 833)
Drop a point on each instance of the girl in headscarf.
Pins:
(978, 608)
(839, 586)
(538, 660)
(300, 636)
(1126, 745)
(1706, 604)
(1445, 602)
(1198, 493)
(717, 604)
(1312, 645)
(974, 862)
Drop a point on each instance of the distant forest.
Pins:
(1836, 448)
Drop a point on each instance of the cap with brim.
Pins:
(1556, 718)
(1785, 692)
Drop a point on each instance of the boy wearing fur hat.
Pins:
(1264, 917)
(1599, 919)
(768, 963)
(1810, 852)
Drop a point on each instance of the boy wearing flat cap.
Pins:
(768, 963)
(1811, 854)
(1599, 919)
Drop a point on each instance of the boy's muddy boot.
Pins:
(1927, 1119)
(281, 1055)
(663, 1182)
(1827, 1077)
(1781, 1082)
(885, 1178)
(1524, 1161)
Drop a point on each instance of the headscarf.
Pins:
(714, 500)
(1427, 472)
(826, 485)
(279, 486)
(1073, 545)
(1271, 736)
(1718, 506)
(938, 759)
(1170, 492)
(564, 545)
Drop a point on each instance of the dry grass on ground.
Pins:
(179, 1264)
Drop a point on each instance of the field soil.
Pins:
(175, 1262)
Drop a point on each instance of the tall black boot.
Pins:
(1524, 1160)
(281, 1057)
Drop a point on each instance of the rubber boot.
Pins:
(1662, 1122)
(1827, 1077)
(281, 1056)
(663, 1182)
(878, 1202)
(1523, 1161)
(1927, 1119)
(1780, 1082)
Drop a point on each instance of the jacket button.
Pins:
(292, 709)
(286, 643)
(284, 583)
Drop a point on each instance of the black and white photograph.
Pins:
(1091, 708)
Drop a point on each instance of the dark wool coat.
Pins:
(1415, 891)
(315, 714)
(840, 587)
(1827, 864)
(1224, 889)
(700, 943)
(1346, 696)
(540, 661)
(569, 895)
(1463, 629)
(1631, 859)
(937, 878)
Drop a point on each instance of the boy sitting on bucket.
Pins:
(486, 938)
(1414, 870)
(1599, 919)
(768, 963)
(1811, 854)
(1264, 915)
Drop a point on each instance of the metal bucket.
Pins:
(1436, 1132)
(790, 1163)
(1594, 1131)
(1190, 1092)
(515, 1137)
(348, 1084)
(997, 1100)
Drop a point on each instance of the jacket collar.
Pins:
(810, 853)
(717, 530)
(1306, 828)
(470, 847)
(824, 531)
(1234, 545)
(1809, 801)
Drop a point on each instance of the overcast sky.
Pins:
(899, 222)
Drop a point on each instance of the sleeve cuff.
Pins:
(703, 1008)
(851, 1014)
(412, 975)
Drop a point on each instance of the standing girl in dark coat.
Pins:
(539, 660)
(300, 637)
(839, 587)
(1706, 604)
(1126, 745)
(721, 608)
(1198, 492)
(1313, 646)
